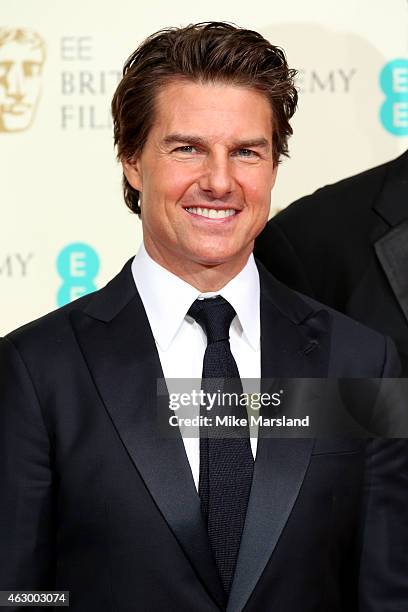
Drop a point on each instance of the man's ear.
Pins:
(132, 171)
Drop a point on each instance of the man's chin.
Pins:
(214, 259)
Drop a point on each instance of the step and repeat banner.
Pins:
(65, 229)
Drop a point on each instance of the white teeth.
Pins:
(211, 213)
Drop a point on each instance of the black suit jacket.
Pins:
(347, 246)
(94, 501)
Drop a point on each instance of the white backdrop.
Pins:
(64, 227)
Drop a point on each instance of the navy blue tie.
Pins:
(226, 462)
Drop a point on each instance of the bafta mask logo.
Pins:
(22, 56)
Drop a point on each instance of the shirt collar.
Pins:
(167, 298)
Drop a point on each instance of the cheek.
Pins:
(259, 198)
(168, 184)
(258, 187)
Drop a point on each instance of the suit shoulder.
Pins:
(53, 326)
(356, 350)
(354, 195)
(346, 332)
(56, 324)
(46, 335)
(342, 322)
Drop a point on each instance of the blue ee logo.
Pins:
(77, 265)
(394, 110)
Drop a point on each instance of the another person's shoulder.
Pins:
(316, 227)
(338, 199)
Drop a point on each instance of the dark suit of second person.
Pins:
(347, 246)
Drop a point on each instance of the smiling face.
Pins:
(205, 176)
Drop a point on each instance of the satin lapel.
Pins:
(392, 247)
(294, 343)
(392, 201)
(121, 355)
(392, 252)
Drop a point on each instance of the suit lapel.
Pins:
(392, 252)
(119, 349)
(294, 343)
(392, 247)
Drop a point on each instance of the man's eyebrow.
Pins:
(171, 139)
(253, 142)
(175, 138)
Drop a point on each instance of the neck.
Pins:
(201, 276)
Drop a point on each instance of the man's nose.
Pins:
(15, 82)
(217, 177)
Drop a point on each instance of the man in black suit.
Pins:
(347, 246)
(94, 498)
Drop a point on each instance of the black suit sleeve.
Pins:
(26, 483)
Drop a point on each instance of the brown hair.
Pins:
(203, 52)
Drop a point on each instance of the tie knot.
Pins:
(214, 315)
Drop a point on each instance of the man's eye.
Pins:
(247, 153)
(186, 149)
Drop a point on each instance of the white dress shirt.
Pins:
(180, 340)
